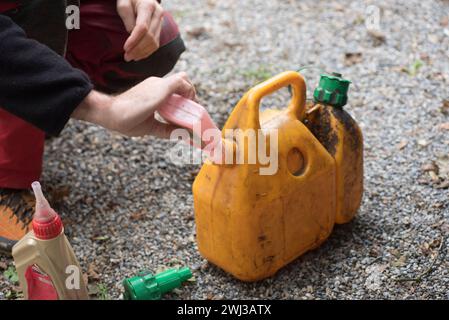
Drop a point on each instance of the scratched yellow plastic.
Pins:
(252, 225)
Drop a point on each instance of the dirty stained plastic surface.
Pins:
(340, 134)
(251, 225)
(343, 139)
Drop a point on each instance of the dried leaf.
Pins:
(430, 166)
(401, 145)
(437, 205)
(444, 126)
(423, 181)
(435, 243)
(434, 176)
(443, 185)
(352, 58)
(400, 262)
(137, 216)
(395, 252)
(3, 266)
(59, 194)
(92, 272)
(85, 279)
(445, 107)
(377, 35)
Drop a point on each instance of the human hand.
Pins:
(143, 20)
(132, 112)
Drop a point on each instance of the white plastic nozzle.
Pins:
(43, 212)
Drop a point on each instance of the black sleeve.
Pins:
(36, 84)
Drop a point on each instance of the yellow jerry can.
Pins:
(252, 222)
(342, 138)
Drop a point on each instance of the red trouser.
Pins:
(96, 48)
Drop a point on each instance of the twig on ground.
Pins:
(426, 272)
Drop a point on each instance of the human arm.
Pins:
(132, 112)
(36, 84)
(40, 87)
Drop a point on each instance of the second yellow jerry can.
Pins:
(251, 221)
(342, 138)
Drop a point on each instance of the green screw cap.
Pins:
(146, 286)
(332, 90)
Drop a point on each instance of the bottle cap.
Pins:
(332, 90)
(146, 286)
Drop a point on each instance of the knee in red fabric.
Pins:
(21, 150)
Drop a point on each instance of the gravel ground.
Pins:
(127, 207)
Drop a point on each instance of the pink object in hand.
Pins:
(193, 117)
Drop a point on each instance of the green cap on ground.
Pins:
(146, 286)
(332, 90)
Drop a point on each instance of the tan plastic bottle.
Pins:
(45, 262)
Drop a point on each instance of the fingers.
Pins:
(156, 22)
(144, 39)
(162, 130)
(144, 13)
(152, 127)
(125, 10)
(132, 112)
(147, 45)
(180, 83)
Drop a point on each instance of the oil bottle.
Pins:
(341, 136)
(45, 262)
